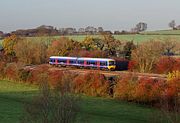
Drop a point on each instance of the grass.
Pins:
(164, 32)
(94, 110)
(137, 38)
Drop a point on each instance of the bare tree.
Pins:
(172, 24)
(146, 54)
(141, 26)
(52, 106)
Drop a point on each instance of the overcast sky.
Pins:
(110, 14)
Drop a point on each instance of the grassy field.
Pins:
(95, 110)
(138, 38)
(164, 32)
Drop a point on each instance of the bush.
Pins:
(2, 68)
(125, 87)
(11, 71)
(167, 64)
(35, 73)
(54, 77)
(91, 83)
(149, 90)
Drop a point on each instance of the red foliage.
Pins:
(35, 73)
(2, 67)
(173, 88)
(148, 90)
(11, 71)
(167, 64)
(93, 84)
(125, 87)
(55, 77)
(131, 65)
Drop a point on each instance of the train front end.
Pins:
(111, 65)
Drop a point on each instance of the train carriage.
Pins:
(82, 62)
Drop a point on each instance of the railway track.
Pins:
(113, 73)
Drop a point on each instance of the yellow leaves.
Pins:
(173, 75)
(8, 44)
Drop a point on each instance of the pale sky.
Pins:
(110, 14)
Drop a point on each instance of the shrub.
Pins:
(91, 83)
(2, 67)
(148, 90)
(125, 87)
(55, 76)
(35, 72)
(11, 71)
(167, 64)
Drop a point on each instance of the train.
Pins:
(83, 62)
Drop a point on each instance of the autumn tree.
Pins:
(146, 55)
(127, 49)
(171, 46)
(30, 52)
(111, 45)
(63, 47)
(8, 45)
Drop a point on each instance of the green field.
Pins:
(137, 38)
(95, 110)
(163, 32)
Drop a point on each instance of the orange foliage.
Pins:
(11, 71)
(35, 73)
(55, 77)
(93, 84)
(167, 64)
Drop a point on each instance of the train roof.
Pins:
(61, 57)
(95, 59)
(82, 58)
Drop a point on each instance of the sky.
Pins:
(110, 14)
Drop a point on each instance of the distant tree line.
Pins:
(90, 30)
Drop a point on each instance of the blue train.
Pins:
(82, 62)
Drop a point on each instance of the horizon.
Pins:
(111, 15)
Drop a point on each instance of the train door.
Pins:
(67, 61)
(56, 61)
(98, 64)
(85, 63)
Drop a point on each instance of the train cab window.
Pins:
(111, 63)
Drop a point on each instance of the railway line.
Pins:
(112, 73)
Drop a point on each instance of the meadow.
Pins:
(163, 32)
(94, 109)
(136, 38)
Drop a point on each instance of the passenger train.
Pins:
(82, 62)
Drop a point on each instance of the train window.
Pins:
(88, 62)
(61, 61)
(111, 63)
(92, 62)
(103, 63)
(72, 61)
(52, 60)
(81, 62)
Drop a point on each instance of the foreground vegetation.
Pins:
(94, 110)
